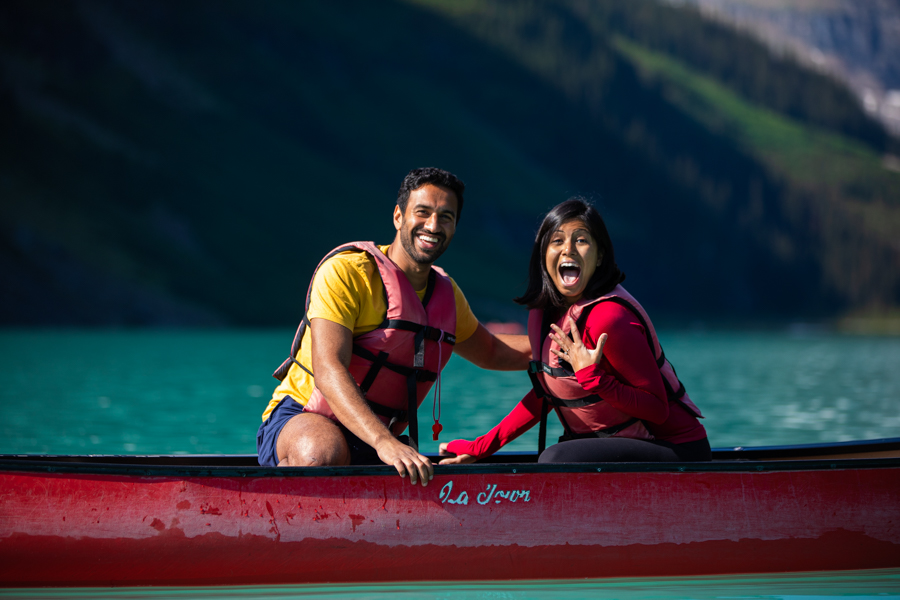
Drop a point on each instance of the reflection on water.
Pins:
(874, 584)
(158, 392)
(783, 388)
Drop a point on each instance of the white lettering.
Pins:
(487, 494)
(445, 491)
(463, 497)
(490, 493)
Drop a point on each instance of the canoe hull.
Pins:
(73, 529)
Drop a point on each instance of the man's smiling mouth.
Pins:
(428, 240)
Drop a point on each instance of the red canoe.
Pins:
(188, 520)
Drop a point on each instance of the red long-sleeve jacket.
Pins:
(627, 377)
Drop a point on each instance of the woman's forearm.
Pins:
(519, 420)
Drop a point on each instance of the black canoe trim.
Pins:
(95, 469)
(810, 457)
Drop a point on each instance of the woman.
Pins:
(618, 400)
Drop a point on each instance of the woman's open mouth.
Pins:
(569, 273)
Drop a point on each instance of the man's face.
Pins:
(428, 224)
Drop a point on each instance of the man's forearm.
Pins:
(509, 353)
(348, 404)
(331, 353)
(516, 351)
(332, 347)
(502, 352)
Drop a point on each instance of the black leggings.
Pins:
(617, 449)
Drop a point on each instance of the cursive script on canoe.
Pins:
(490, 494)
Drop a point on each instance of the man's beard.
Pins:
(407, 240)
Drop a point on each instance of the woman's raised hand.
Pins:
(573, 351)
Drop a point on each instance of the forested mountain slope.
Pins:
(190, 163)
(856, 42)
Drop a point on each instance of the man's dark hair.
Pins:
(419, 177)
(541, 292)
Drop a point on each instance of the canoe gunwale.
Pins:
(145, 470)
(810, 457)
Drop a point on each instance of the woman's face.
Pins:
(572, 257)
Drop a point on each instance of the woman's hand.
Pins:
(454, 459)
(573, 351)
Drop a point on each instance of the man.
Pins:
(380, 324)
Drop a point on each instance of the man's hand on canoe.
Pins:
(407, 461)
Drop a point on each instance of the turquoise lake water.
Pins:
(160, 392)
(874, 585)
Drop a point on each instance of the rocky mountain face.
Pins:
(858, 42)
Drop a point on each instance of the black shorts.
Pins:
(267, 437)
(620, 449)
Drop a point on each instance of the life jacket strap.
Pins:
(601, 433)
(537, 366)
(420, 374)
(409, 416)
(673, 394)
(299, 364)
(575, 402)
(395, 414)
(413, 377)
(369, 379)
(411, 392)
(542, 432)
(677, 395)
(431, 333)
(536, 384)
(412, 410)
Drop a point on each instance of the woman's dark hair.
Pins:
(419, 177)
(541, 292)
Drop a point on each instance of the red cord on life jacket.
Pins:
(436, 401)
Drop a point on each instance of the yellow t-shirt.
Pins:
(348, 290)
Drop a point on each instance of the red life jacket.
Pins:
(396, 364)
(582, 414)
